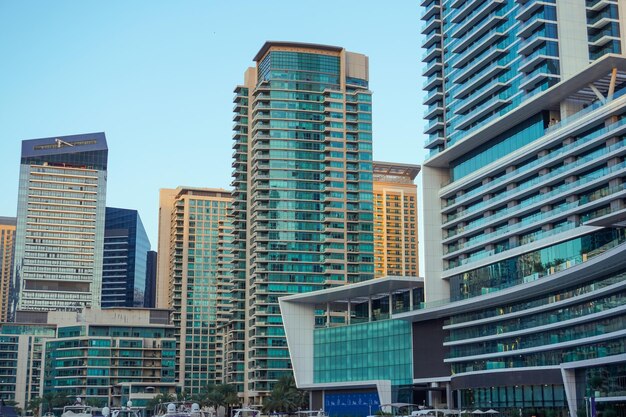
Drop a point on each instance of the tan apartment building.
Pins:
(190, 221)
(395, 219)
(7, 253)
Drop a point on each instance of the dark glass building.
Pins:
(126, 247)
(151, 268)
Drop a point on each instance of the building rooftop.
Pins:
(267, 45)
(201, 191)
(58, 145)
(8, 221)
(365, 289)
(396, 168)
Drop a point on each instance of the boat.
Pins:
(128, 411)
(77, 410)
(312, 413)
(180, 409)
(246, 412)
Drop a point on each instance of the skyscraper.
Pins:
(302, 182)
(125, 259)
(395, 219)
(524, 193)
(60, 223)
(187, 278)
(7, 252)
(522, 239)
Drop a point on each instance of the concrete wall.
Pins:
(429, 233)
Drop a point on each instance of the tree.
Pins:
(55, 399)
(163, 398)
(285, 397)
(183, 395)
(34, 405)
(217, 395)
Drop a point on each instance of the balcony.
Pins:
(434, 125)
(526, 11)
(539, 57)
(480, 78)
(432, 67)
(431, 9)
(476, 114)
(480, 62)
(467, 56)
(433, 81)
(471, 10)
(431, 24)
(432, 53)
(476, 16)
(481, 94)
(533, 42)
(433, 110)
(433, 96)
(557, 193)
(537, 76)
(433, 38)
(477, 32)
(434, 141)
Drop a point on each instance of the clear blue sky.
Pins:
(158, 76)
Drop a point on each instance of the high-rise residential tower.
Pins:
(302, 182)
(125, 259)
(187, 278)
(524, 194)
(395, 219)
(7, 252)
(60, 223)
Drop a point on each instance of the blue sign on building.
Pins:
(351, 404)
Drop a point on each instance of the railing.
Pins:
(580, 141)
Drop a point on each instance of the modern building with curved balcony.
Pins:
(524, 240)
(521, 237)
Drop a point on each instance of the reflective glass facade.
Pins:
(362, 352)
(60, 223)
(483, 59)
(126, 247)
(194, 218)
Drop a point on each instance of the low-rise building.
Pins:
(98, 352)
(22, 348)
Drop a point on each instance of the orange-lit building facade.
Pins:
(395, 219)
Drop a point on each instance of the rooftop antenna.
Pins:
(61, 143)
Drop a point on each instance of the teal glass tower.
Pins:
(189, 279)
(303, 215)
(484, 58)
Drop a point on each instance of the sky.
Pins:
(158, 77)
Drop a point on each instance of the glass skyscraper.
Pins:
(125, 259)
(524, 193)
(522, 231)
(302, 207)
(189, 280)
(60, 223)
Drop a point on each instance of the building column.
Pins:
(569, 383)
